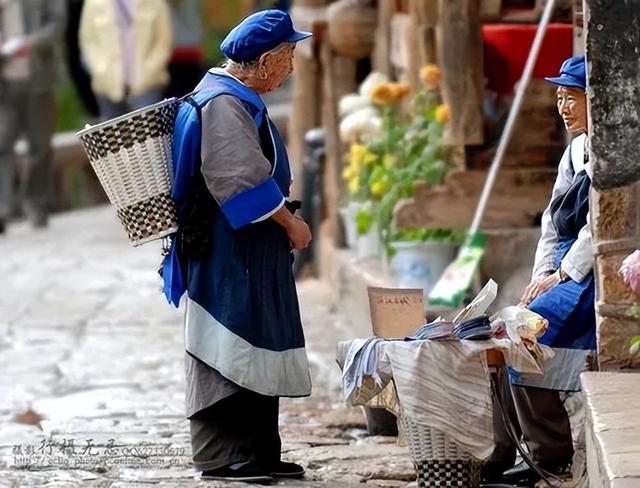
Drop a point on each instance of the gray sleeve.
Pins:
(545, 252)
(232, 159)
(579, 261)
(55, 18)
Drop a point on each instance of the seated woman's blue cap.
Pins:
(572, 74)
(259, 33)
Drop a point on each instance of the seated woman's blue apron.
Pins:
(568, 306)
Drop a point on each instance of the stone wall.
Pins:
(616, 233)
(613, 30)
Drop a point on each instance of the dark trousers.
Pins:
(539, 418)
(242, 427)
(29, 113)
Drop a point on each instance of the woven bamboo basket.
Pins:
(439, 461)
(131, 156)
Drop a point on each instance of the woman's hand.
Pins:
(538, 286)
(299, 233)
(297, 229)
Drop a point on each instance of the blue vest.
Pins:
(240, 209)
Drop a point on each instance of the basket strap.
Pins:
(198, 108)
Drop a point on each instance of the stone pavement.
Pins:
(91, 391)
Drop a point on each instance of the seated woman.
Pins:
(562, 291)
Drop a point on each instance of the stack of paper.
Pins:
(440, 330)
(477, 328)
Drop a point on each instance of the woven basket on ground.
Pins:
(131, 156)
(439, 461)
(352, 26)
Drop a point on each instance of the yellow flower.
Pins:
(383, 94)
(430, 76)
(389, 161)
(356, 155)
(379, 188)
(442, 114)
(354, 185)
(349, 172)
(360, 156)
(369, 158)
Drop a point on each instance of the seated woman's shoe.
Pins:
(491, 473)
(285, 470)
(523, 475)
(247, 473)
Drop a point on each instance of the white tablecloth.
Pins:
(444, 385)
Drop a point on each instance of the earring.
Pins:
(263, 75)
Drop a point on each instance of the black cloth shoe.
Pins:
(491, 473)
(523, 475)
(247, 473)
(285, 470)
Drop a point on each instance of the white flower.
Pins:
(364, 122)
(351, 103)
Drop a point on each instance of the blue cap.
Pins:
(259, 33)
(572, 74)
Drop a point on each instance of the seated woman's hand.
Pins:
(539, 285)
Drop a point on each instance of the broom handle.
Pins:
(513, 114)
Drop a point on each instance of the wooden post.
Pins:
(305, 112)
(612, 33)
(339, 78)
(308, 15)
(381, 59)
(421, 37)
(578, 27)
(459, 40)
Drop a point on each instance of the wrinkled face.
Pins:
(276, 66)
(572, 107)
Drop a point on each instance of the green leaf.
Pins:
(434, 173)
(364, 221)
(634, 344)
(423, 234)
(378, 174)
(432, 152)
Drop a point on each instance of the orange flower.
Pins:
(443, 114)
(389, 93)
(383, 94)
(400, 90)
(430, 76)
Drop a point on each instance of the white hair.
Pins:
(243, 66)
(251, 65)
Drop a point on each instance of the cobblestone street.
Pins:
(92, 387)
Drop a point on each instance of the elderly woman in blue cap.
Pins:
(562, 291)
(232, 255)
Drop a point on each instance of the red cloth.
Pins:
(506, 47)
(187, 55)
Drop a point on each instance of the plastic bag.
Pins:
(519, 324)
